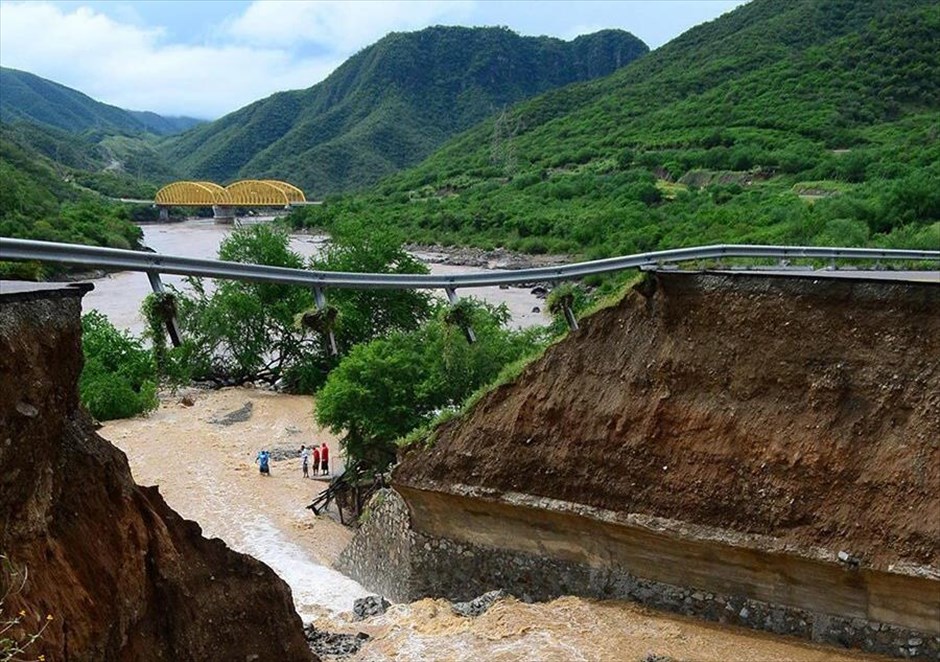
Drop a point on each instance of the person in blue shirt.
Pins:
(263, 460)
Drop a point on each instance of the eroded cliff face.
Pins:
(121, 574)
(800, 409)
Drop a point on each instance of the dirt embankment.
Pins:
(122, 576)
(800, 408)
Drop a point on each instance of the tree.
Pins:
(242, 331)
(386, 388)
(246, 331)
(119, 378)
(367, 314)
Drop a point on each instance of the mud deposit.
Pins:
(801, 409)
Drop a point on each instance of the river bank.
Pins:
(201, 457)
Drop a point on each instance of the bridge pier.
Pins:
(164, 214)
(224, 214)
(172, 327)
(319, 296)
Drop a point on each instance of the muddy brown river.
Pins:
(204, 466)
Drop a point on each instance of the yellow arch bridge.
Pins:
(224, 199)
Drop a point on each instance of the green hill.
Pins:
(392, 104)
(29, 98)
(42, 199)
(807, 121)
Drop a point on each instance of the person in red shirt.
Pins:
(324, 458)
(315, 456)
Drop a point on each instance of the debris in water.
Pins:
(477, 606)
(371, 605)
(328, 644)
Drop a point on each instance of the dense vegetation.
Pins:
(40, 201)
(392, 104)
(119, 378)
(404, 356)
(798, 122)
(384, 389)
(29, 98)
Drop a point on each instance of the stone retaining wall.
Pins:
(389, 556)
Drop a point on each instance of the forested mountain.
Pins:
(29, 98)
(44, 199)
(392, 104)
(807, 121)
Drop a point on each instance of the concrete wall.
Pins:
(421, 543)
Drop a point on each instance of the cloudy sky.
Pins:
(205, 59)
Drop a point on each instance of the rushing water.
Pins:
(119, 295)
(205, 471)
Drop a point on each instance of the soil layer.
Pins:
(101, 567)
(804, 409)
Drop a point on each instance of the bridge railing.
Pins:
(125, 260)
(154, 264)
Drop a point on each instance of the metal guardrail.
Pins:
(156, 263)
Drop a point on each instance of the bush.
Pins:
(384, 389)
(119, 378)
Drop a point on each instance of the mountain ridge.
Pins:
(31, 98)
(708, 139)
(390, 104)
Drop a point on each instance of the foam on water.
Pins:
(313, 585)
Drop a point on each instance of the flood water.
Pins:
(205, 470)
(119, 295)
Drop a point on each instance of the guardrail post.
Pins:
(569, 317)
(467, 329)
(172, 327)
(565, 303)
(319, 296)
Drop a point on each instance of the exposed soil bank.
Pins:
(752, 449)
(802, 409)
(121, 574)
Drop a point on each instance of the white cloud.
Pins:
(340, 25)
(139, 68)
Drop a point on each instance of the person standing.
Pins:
(324, 458)
(263, 458)
(305, 457)
(316, 460)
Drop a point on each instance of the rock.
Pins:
(536, 309)
(478, 605)
(121, 582)
(187, 401)
(26, 409)
(372, 605)
(333, 645)
(237, 416)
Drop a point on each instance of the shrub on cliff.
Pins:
(119, 378)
